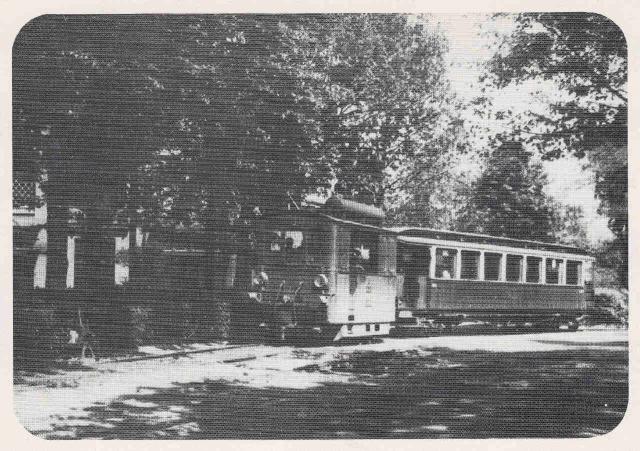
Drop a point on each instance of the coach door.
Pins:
(413, 264)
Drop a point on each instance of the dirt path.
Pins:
(81, 403)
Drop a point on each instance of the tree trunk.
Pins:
(56, 274)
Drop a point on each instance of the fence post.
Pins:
(71, 261)
(40, 268)
(121, 261)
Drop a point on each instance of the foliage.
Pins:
(568, 227)
(77, 125)
(431, 200)
(508, 198)
(185, 120)
(610, 306)
(383, 94)
(610, 257)
(585, 56)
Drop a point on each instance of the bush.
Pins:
(165, 319)
(43, 320)
(118, 321)
(38, 337)
(611, 306)
(141, 331)
(611, 297)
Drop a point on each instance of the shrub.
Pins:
(38, 337)
(611, 306)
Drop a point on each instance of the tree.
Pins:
(206, 121)
(568, 227)
(361, 95)
(381, 92)
(78, 122)
(508, 198)
(430, 193)
(585, 56)
(328, 103)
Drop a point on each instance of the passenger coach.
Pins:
(448, 277)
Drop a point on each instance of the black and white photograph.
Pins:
(320, 226)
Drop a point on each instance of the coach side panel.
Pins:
(463, 295)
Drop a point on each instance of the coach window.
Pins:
(552, 269)
(533, 269)
(492, 264)
(470, 261)
(514, 268)
(574, 270)
(446, 263)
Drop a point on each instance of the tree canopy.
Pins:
(508, 198)
(205, 121)
(585, 56)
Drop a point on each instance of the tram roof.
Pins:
(448, 235)
(314, 214)
(345, 211)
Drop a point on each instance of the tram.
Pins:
(446, 278)
(329, 272)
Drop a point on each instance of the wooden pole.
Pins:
(71, 261)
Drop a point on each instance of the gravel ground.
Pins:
(570, 384)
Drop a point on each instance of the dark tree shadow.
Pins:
(582, 392)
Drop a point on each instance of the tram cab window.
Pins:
(492, 266)
(514, 268)
(574, 272)
(552, 269)
(533, 269)
(446, 263)
(470, 261)
(293, 246)
(283, 241)
(364, 250)
(293, 239)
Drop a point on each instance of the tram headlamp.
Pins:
(321, 281)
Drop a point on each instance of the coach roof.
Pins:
(447, 235)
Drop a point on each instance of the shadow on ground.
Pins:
(576, 393)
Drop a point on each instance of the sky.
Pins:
(569, 182)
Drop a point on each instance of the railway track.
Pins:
(406, 331)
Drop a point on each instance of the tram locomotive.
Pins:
(446, 278)
(335, 272)
(328, 272)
